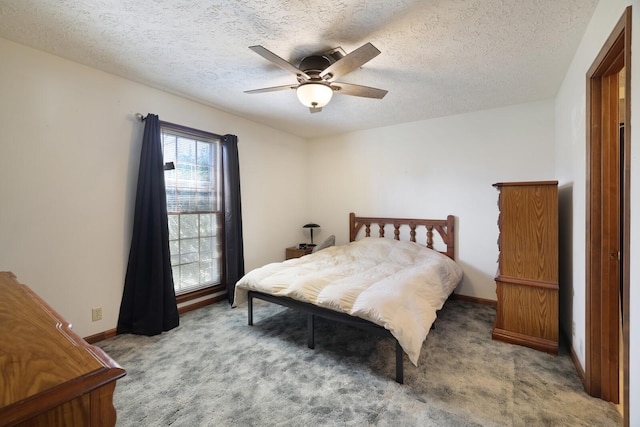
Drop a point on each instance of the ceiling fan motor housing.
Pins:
(313, 65)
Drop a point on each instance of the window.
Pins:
(194, 206)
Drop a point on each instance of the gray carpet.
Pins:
(214, 370)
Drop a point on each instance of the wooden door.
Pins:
(608, 195)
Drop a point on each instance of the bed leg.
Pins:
(399, 370)
(310, 331)
(250, 309)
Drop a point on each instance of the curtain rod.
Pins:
(139, 117)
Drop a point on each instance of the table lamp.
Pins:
(311, 226)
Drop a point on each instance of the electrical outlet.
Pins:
(96, 314)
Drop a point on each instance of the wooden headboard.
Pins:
(444, 227)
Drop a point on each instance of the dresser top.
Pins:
(40, 356)
(524, 183)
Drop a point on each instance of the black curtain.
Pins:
(234, 252)
(148, 304)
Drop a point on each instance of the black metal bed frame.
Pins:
(443, 227)
(312, 311)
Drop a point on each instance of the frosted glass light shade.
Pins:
(314, 95)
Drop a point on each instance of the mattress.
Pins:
(398, 285)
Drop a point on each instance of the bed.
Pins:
(387, 286)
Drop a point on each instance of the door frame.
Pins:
(602, 300)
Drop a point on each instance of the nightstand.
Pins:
(294, 252)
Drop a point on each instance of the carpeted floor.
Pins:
(214, 370)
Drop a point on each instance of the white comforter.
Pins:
(395, 284)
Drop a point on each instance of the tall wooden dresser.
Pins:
(527, 277)
(49, 376)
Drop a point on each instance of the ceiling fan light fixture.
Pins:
(314, 95)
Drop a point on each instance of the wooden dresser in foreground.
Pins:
(527, 277)
(49, 376)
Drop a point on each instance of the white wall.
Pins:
(571, 169)
(70, 150)
(433, 168)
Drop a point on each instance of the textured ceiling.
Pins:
(439, 57)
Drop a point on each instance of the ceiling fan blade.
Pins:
(285, 65)
(347, 64)
(357, 90)
(315, 109)
(271, 89)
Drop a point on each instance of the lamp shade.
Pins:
(311, 226)
(314, 95)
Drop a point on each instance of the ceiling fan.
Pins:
(317, 75)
